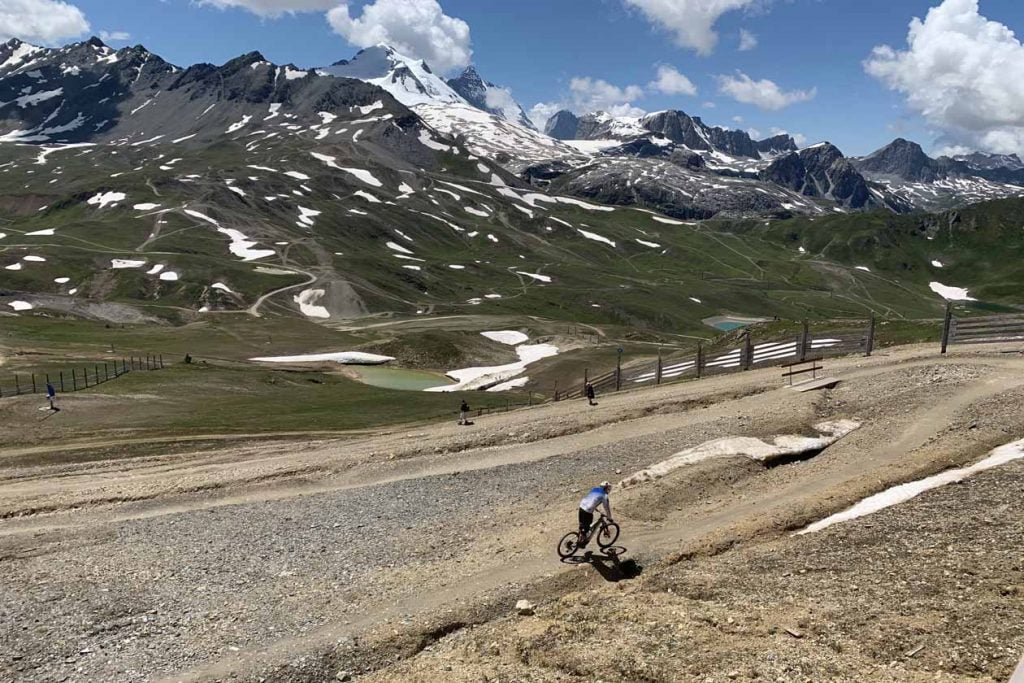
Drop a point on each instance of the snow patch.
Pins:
(20, 305)
(343, 357)
(950, 293)
(595, 237)
(119, 264)
(307, 301)
(748, 447)
(104, 198)
(904, 492)
(479, 378)
(510, 337)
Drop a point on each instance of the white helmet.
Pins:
(606, 485)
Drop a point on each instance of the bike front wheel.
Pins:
(569, 544)
(608, 534)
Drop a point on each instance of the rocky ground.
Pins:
(400, 555)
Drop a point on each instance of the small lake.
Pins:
(398, 378)
(728, 323)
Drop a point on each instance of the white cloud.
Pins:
(764, 94)
(748, 41)
(501, 98)
(588, 95)
(737, 120)
(709, 105)
(963, 73)
(41, 21)
(542, 111)
(419, 28)
(671, 82)
(595, 94)
(115, 36)
(692, 22)
(754, 133)
(273, 8)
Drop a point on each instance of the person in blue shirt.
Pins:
(598, 497)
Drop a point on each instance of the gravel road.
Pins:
(266, 560)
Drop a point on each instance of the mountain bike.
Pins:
(606, 530)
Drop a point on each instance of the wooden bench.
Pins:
(792, 372)
(815, 382)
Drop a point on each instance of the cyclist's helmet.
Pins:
(606, 485)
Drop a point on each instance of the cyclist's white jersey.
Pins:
(596, 497)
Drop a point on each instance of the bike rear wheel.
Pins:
(608, 534)
(569, 544)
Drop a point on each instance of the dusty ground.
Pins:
(398, 556)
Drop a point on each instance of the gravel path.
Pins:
(382, 528)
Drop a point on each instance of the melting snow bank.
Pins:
(950, 293)
(469, 379)
(510, 337)
(343, 357)
(748, 447)
(307, 301)
(904, 492)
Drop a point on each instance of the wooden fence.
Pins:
(989, 329)
(68, 380)
(851, 338)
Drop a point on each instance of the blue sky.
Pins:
(536, 48)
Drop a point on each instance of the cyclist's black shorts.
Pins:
(586, 519)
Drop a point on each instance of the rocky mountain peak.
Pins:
(489, 97)
(903, 159)
(562, 125)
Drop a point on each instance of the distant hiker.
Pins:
(590, 394)
(188, 358)
(51, 393)
(464, 413)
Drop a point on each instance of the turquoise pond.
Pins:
(729, 326)
(399, 378)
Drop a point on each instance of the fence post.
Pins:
(74, 380)
(618, 371)
(748, 352)
(106, 373)
(161, 361)
(700, 360)
(657, 372)
(96, 370)
(871, 335)
(62, 381)
(17, 387)
(85, 374)
(804, 335)
(946, 325)
(33, 382)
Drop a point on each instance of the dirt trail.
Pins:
(332, 539)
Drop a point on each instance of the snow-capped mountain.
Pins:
(90, 93)
(410, 81)
(676, 127)
(489, 97)
(927, 183)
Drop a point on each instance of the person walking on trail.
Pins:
(590, 394)
(51, 393)
(464, 413)
(597, 497)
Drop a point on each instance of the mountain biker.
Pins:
(598, 496)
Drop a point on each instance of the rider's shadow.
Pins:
(608, 564)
